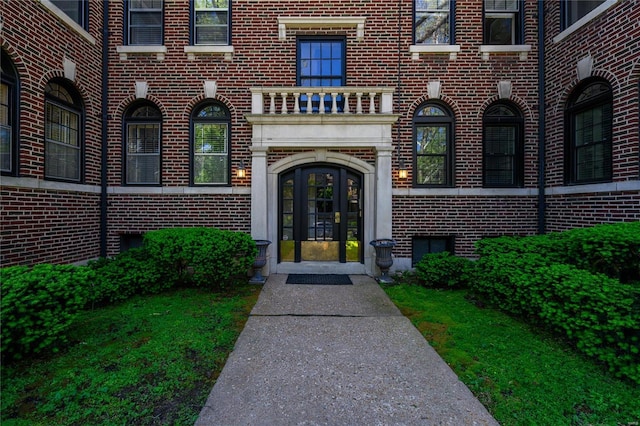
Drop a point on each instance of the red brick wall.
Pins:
(613, 41)
(51, 225)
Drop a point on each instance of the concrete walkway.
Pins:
(336, 355)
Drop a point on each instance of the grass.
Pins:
(524, 376)
(149, 361)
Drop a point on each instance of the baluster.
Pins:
(321, 107)
(309, 105)
(296, 104)
(345, 109)
(372, 104)
(334, 103)
(284, 103)
(359, 103)
(272, 105)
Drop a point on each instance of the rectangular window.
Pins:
(143, 153)
(144, 22)
(321, 62)
(425, 245)
(210, 153)
(6, 143)
(432, 142)
(211, 22)
(502, 22)
(77, 10)
(592, 146)
(62, 149)
(432, 22)
(574, 10)
(499, 156)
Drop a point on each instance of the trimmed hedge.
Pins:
(120, 277)
(38, 306)
(610, 249)
(541, 278)
(443, 270)
(200, 256)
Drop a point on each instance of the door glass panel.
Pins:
(320, 219)
(354, 245)
(287, 243)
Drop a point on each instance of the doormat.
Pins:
(320, 279)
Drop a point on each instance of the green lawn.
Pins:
(150, 360)
(522, 375)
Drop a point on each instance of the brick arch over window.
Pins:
(518, 102)
(196, 100)
(125, 103)
(448, 101)
(561, 101)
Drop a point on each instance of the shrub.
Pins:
(443, 270)
(130, 272)
(38, 305)
(599, 314)
(200, 256)
(611, 249)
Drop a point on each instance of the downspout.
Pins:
(105, 106)
(542, 203)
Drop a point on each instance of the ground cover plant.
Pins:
(522, 374)
(151, 360)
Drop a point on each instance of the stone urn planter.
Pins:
(259, 262)
(384, 260)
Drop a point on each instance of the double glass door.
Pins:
(320, 215)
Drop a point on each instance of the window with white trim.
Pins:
(503, 22)
(144, 26)
(433, 22)
(77, 10)
(573, 10)
(210, 22)
(63, 132)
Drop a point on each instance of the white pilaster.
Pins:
(383, 193)
(259, 194)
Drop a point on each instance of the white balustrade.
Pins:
(322, 100)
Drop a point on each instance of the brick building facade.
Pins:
(319, 126)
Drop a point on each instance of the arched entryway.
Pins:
(320, 215)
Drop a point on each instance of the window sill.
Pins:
(125, 51)
(313, 22)
(584, 20)
(434, 49)
(192, 51)
(522, 50)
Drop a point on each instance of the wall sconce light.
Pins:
(241, 172)
(402, 171)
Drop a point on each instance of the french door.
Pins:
(320, 215)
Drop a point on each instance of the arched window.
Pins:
(63, 132)
(588, 141)
(210, 143)
(502, 141)
(9, 87)
(142, 144)
(433, 145)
